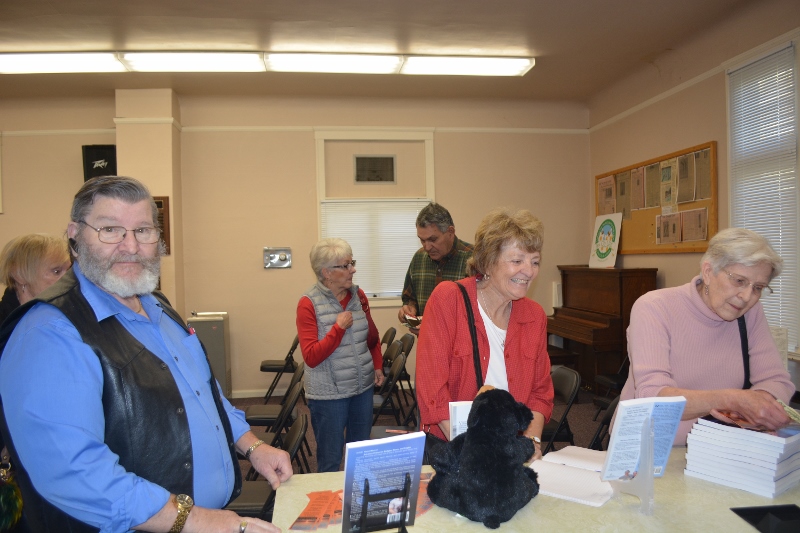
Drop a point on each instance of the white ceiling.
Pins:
(580, 46)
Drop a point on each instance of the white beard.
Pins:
(99, 271)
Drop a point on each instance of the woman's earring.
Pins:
(706, 290)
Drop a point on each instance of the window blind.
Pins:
(763, 139)
(383, 236)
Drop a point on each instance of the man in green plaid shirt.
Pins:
(443, 256)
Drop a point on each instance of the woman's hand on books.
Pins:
(757, 407)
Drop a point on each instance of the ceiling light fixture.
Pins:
(47, 63)
(339, 63)
(86, 62)
(467, 66)
(193, 61)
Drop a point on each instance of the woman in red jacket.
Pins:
(511, 328)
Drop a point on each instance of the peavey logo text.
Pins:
(100, 163)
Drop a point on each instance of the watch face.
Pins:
(184, 500)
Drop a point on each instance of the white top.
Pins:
(496, 373)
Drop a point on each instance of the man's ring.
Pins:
(243, 526)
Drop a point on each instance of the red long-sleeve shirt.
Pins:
(315, 350)
(445, 367)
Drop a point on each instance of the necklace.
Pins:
(139, 301)
(482, 298)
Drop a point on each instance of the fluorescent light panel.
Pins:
(340, 63)
(259, 62)
(467, 66)
(45, 63)
(194, 61)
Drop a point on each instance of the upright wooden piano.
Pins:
(595, 315)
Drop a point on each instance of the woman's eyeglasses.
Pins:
(742, 283)
(346, 265)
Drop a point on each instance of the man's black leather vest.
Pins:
(145, 418)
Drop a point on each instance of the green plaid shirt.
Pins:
(424, 273)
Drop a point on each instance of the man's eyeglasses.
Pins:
(116, 234)
(346, 265)
(742, 283)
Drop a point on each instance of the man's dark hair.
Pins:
(435, 214)
(122, 188)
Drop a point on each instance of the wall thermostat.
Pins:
(277, 258)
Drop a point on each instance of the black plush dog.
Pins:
(480, 474)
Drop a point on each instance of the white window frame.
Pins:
(323, 135)
(764, 172)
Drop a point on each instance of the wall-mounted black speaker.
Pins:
(99, 160)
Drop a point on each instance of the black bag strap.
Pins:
(474, 334)
(745, 352)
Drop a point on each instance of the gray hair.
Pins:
(128, 190)
(326, 252)
(741, 246)
(435, 214)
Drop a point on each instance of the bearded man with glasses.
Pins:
(709, 340)
(113, 418)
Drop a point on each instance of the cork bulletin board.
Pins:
(668, 204)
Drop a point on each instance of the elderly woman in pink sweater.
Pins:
(686, 340)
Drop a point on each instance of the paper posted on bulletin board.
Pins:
(667, 204)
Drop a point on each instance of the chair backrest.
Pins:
(391, 353)
(294, 437)
(290, 401)
(388, 337)
(408, 343)
(296, 377)
(566, 383)
(296, 341)
(605, 426)
(395, 371)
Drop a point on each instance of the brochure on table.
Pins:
(573, 474)
(385, 463)
(622, 459)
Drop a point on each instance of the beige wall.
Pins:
(690, 117)
(679, 100)
(249, 184)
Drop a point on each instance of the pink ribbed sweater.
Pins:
(675, 340)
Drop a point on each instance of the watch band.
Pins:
(184, 503)
(255, 445)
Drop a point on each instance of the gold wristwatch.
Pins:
(184, 503)
(536, 439)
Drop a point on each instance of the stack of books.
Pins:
(764, 463)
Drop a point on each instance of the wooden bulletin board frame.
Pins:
(638, 235)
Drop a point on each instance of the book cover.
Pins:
(459, 413)
(624, 448)
(385, 463)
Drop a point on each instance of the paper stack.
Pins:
(764, 463)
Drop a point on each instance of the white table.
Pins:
(682, 503)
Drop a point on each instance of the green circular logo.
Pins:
(604, 240)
